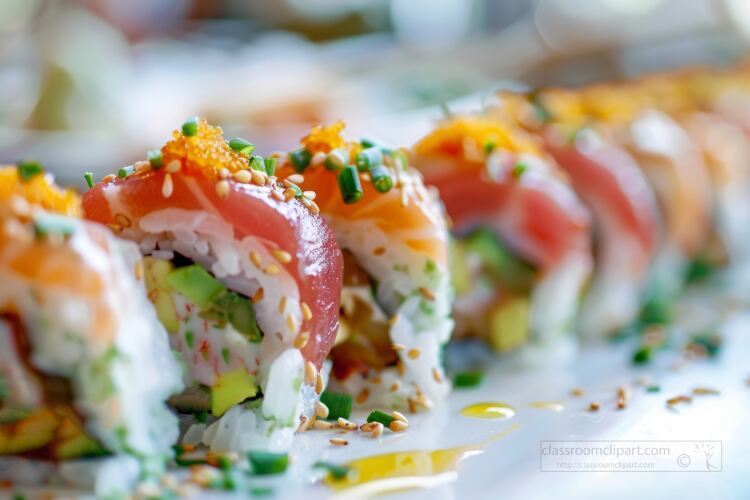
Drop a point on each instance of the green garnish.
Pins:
(656, 311)
(89, 178)
(368, 143)
(224, 462)
(698, 270)
(28, 169)
(201, 417)
(489, 146)
(196, 284)
(190, 127)
(349, 185)
(46, 224)
(642, 355)
(400, 159)
(518, 169)
(336, 159)
(653, 388)
(379, 416)
(264, 463)
(710, 341)
(270, 164)
(257, 163)
(300, 159)
(188, 461)
(10, 415)
(339, 404)
(468, 379)
(368, 158)
(125, 171)
(154, 158)
(381, 179)
(240, 314)
(337, 472)
(242, 146)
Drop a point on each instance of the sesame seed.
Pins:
(306, 312)
(367, 426)
(404, 199)
(278, 195)
(318, 158)
(339, 442)
(272, 269)
(427, 293)
(291, 323)
(289, 193)
(302, 423)
(255, 258)
(258, 296)
(167, 187)
(365, 177)
(414, 353)
(363, 396)
(321, 410)
(400, 368)
(398, 347)
(173, 166)
(323, 425)
(295, 178)
(377, 429)
(243, 176)
(319, 384)
(109, 178)
(301, 341)
(222, 189)
(705, 391)
(437, 376)
(395, 386)
(309, 195)
(282, 304)
(593, 406)
(224, 173)
(424, 402)
(282, 256)
(314, 208)
(346, 424)
(577, 393)
(256, 177)
(393, 320)
(399, 416)
(398, 426)
(379, 251)
(139, 270)
(311, 373)
(679, 399)
(122, 220)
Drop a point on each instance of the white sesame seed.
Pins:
(295, 178)
(399, 416)
(271, 269)
(306, 312)
(377, 429)
(222, 189)
(301, 341)
(398, 347)
(173, 166)
(282, 256)
(321, 410)
(339, 442)
(310, 195)
(323, 425)
(311, 373)
(414, 353)
(167, 187)
(255, 258)
(243, 176)
(398, 426)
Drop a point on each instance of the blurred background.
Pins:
(92, 84)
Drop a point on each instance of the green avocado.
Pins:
(505, 267)
(230, 389)
(159, 292)
(509, 324)
(196, 284)
(78, 446)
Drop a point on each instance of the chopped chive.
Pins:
(300, 159)
(379, 416)
(242, 146)
(190, 127)
(368, 142)
(257, 163)
(381, 179)
(337, 159)
(89, 178)
(468, 379)
(224, 462)
(125, 171)
(642, 355)
(349, 185)
(369, 158)
(489, 146)
(337, 472)
(653, 388)
(519, 169)
(270, 164)
(47, 223)
(201, 417)
(264, 463)
(339, 405)
(261, 491)
(28, 169)
(400, 159)
(154, 158)
(297, 190)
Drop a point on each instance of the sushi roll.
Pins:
(609, 181)
(521, 251)
(245, 279)
(396, 299)
(85, 366)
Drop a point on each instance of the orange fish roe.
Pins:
(450, 137)
(206, 151)
(324, 139)
(38, 190)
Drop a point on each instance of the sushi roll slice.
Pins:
(245, 279)
(85, 366)
(522, 253)
(396, 299)
(621, 201)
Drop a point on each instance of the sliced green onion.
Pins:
(125, 171)
(368, 142)
(300, 159)
(242, 146)
(28, 169)
(368, 158)
(261, 491)
(183, 461)
(337, 159)
(351, 188)
(519, 169)
(381, 179)
(468, 379)
(89, 178)
(379, 416)
(190, 127)
(154, 158)
(270, 164)
(257, 163)
(47, 223)
(297, 190)
(201, 417)
(339, 404)
(264, 463)
(653, 388)
(489, 146)
(224, 462)
(710, 341)
(642, 355)
(337, 472)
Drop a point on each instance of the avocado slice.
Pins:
(31, 433)
(239, 312)
(460, 275)
(160, 293)
(509, 324)
(230, 389)
(10, 415)
(196, 284)
(503, 265)
(79, 445)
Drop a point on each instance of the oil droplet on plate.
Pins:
(489, 410)
(547, 405)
